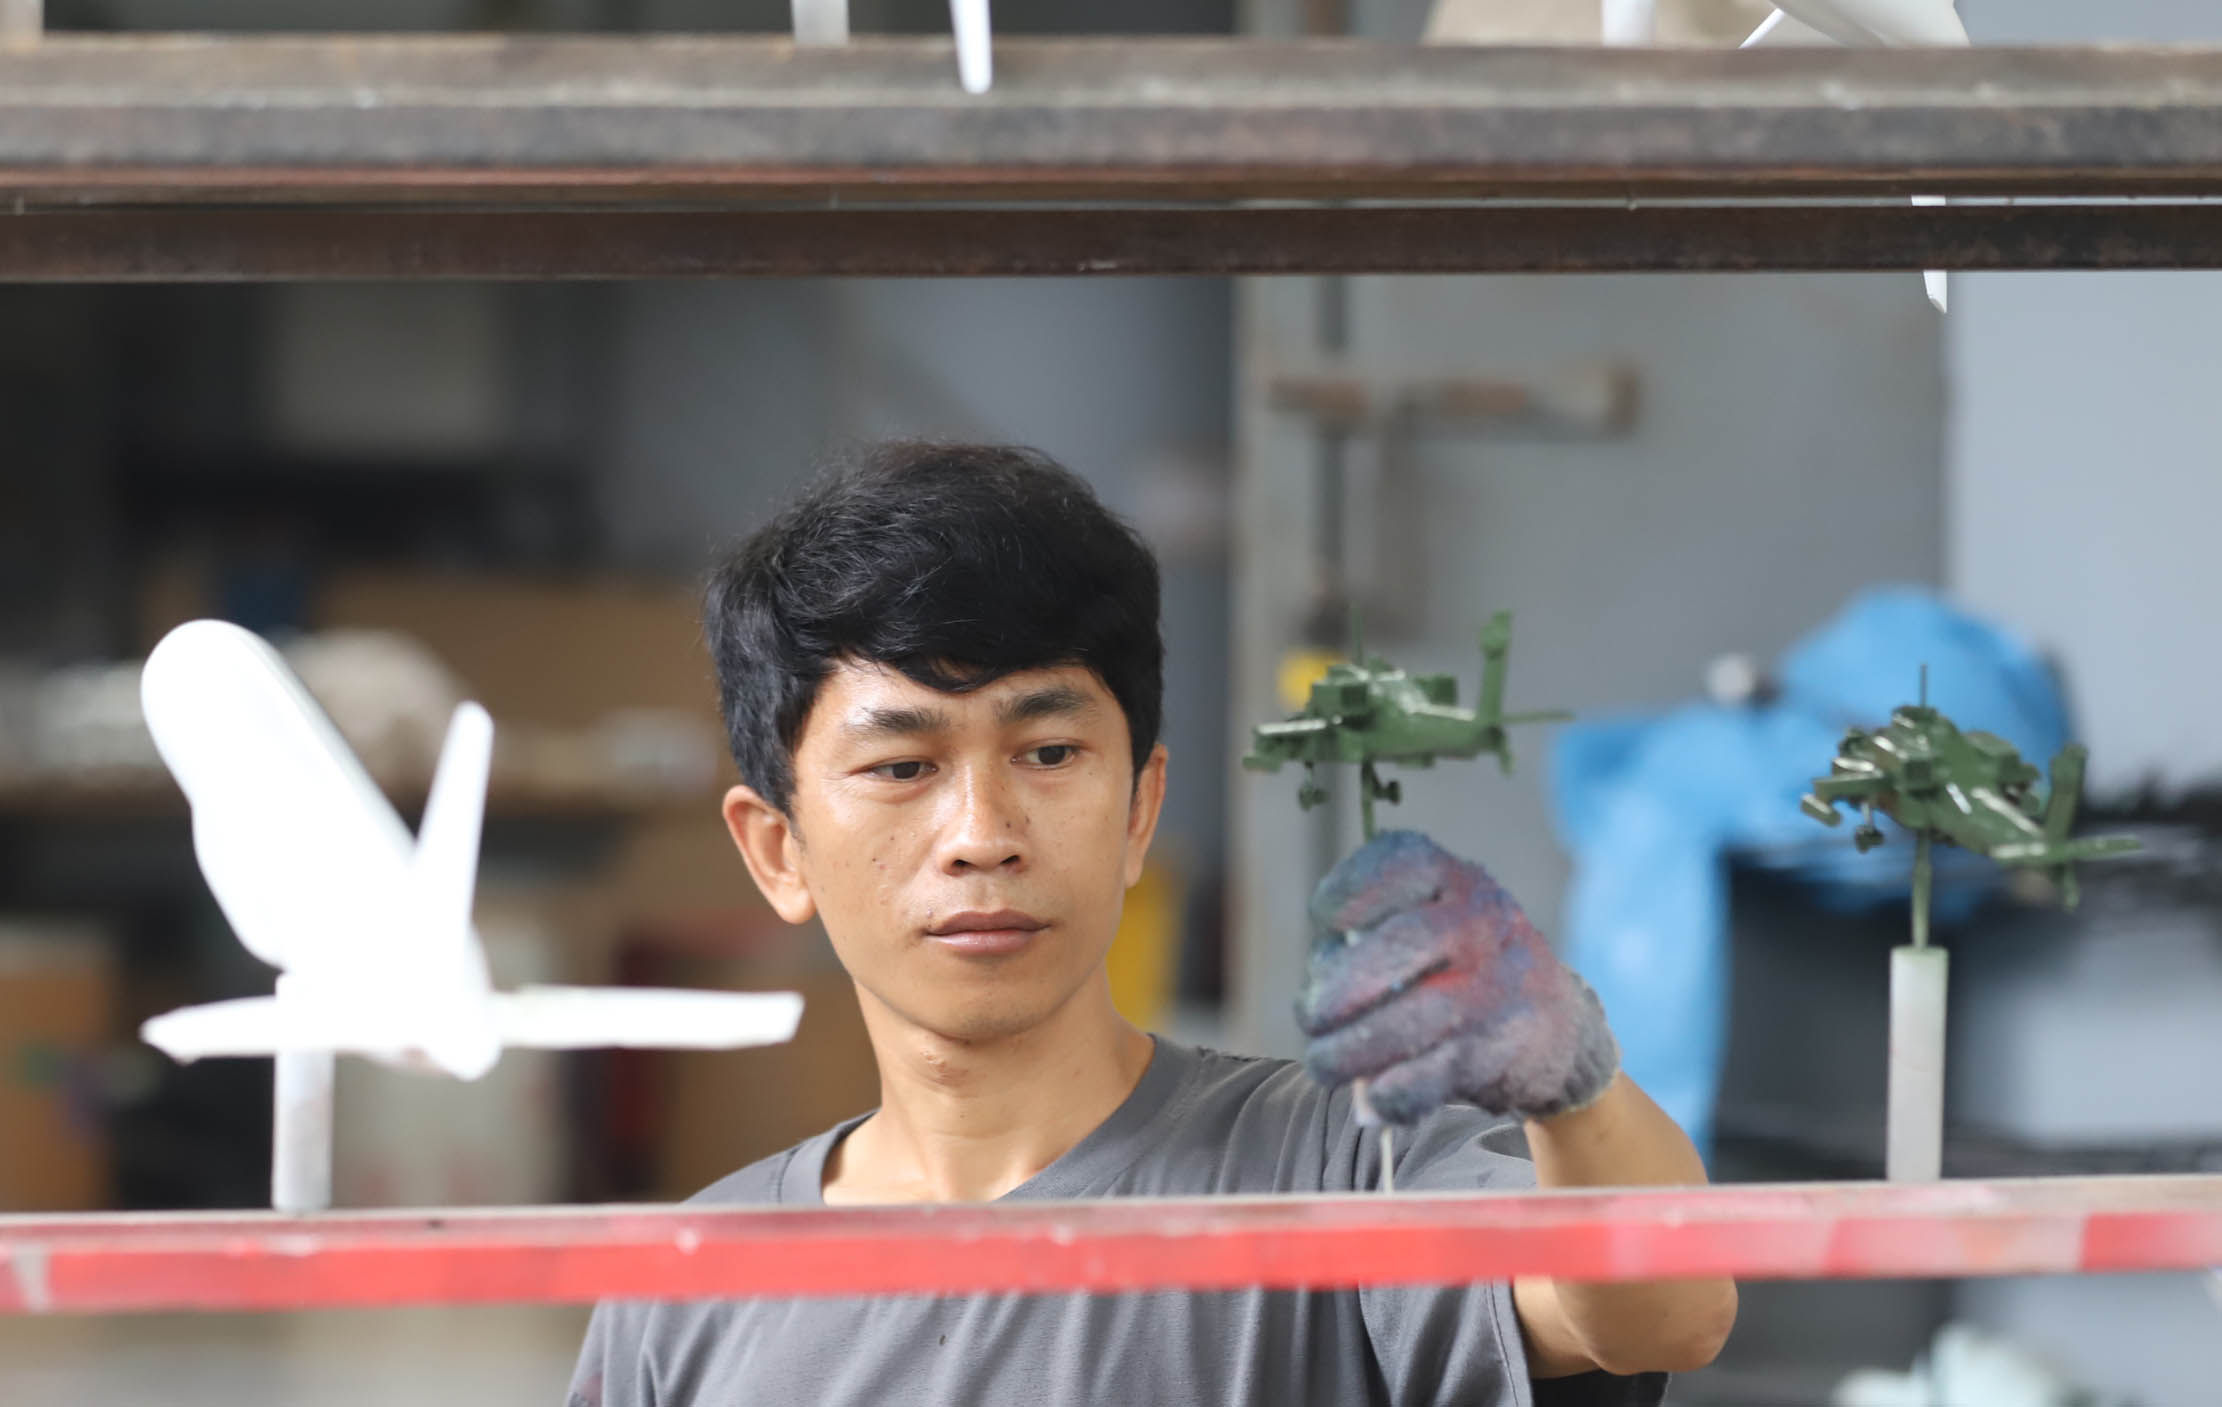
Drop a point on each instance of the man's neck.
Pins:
(967, 1122)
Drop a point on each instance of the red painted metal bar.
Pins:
(120, 1263)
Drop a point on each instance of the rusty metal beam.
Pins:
(111, 1264)
(628, 119)
(268, 245)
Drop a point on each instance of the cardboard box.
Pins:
(563, 654)
(57, 1003)
(680, 1120)
(722, 1110)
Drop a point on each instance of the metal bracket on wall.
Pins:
(1380, 501)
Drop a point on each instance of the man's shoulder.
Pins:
(760, 1182)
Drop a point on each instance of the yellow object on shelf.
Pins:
(1145, 953)
(1300, 669)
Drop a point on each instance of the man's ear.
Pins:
(772, 851)
(1142, 812)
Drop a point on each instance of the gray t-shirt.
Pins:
(1199, 1123)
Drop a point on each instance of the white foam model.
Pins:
(968, 20)
(370, 930)
(823, 22)
(1891, 23)
(820, 21)
(1628, 21)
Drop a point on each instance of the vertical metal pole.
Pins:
(22, 21)
(1923, 870)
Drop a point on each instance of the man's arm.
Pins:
(1440, 989)
(1621, 1140)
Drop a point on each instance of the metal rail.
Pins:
(580, 119)
(177, 158)
(110, 1264)
(177, 246)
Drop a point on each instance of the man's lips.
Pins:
(986, 933)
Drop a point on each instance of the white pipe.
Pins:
(1934, 282)
(1629, 21)
(820, 21)
(22, 21)
(301, 1132)
(1914, 1151)
(968, 20)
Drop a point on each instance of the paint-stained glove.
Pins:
(1444, 991)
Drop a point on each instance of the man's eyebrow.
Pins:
(877, 723)
(1048, 702)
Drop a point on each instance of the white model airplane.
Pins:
(827, 22)
(1891, 23)
(369, 929)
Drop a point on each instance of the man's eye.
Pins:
(900, 771)
(1053, 755)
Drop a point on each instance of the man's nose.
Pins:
(988, 831)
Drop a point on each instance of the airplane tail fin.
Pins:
(445, 867)
(1496, 644)
(443, 875)
(2067, 792)
(2060, 808)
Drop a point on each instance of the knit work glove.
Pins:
(1432, 986)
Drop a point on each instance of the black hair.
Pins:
(956, 564)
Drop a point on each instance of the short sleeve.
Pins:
(1462, 1344)
(613, 1363)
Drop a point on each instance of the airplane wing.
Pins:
(1272, 744)
(1848, 787)
(2061, 852)
(1896, 23)
(545, 1018)
(299, 847)
(581, 1018)
(1538, 715)
(267, 1026)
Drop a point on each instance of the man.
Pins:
(941, 673)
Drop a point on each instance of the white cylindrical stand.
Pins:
(22, 21)
(1914, 1151)
(301, 1132)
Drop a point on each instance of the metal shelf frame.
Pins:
(173, 157)
(191, 158)
(126, 1263)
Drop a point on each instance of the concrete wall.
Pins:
(2086, 460)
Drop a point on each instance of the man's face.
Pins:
(968, 853)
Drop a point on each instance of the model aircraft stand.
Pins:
(170, 159)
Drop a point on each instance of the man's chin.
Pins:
(981, 1028)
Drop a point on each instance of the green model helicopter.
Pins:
(1970, 789)
(1365, 712)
